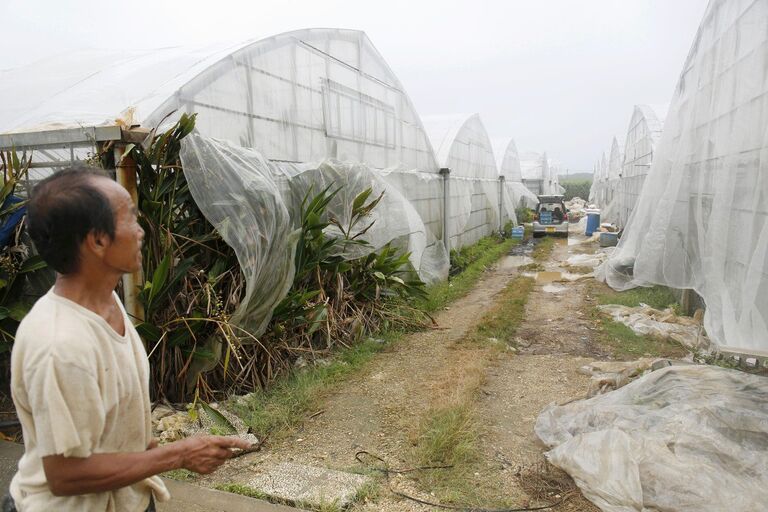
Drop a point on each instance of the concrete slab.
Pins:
(309, 485)
(186, 497)
(10, 453)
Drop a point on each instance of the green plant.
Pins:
(334, 298)
(194, 284)
(524, 215)
(20, 269)
(193, 281)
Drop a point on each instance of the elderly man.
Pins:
(79, 370)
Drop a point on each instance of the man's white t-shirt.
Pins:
(79, 389)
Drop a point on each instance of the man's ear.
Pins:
(96, 243)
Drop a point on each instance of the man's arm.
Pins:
(101, 472)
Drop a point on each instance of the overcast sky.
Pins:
(559, 76)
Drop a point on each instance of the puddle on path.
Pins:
(515, 261)
(553, 288)
(523, 249)
(548, 277)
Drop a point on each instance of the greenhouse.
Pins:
(478, 202)
(509, 168)
(294, 100)
(617, 190)
(538, 175)
(701, 220)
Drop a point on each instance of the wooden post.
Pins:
(125, 174)
(686, 302)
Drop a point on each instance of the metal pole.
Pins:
(501, 203)
(446, 174)
(125, 173)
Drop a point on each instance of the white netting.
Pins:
(700, 221)
(617, 188)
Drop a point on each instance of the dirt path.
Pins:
(555, 340)
(378, 410)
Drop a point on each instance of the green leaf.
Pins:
(4, 313)
(160, 276)
(318, 318)
(18, 310)
(149, 332)
(379, 275)
(360, 199)
(31, 264)
(218, 419)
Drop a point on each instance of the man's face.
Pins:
(123, 252)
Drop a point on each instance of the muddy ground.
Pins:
(378, 410)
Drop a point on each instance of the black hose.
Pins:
(386, 472)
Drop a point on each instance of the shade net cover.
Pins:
(700, 220)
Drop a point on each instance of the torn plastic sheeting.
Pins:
(680, 439)
(255, 205)
(665, 324)
(587, 260)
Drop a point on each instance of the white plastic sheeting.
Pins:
(700, 221)
(680, 439)
(477, 202)
(513, 178)
(300, 96)
(616, 188)
(255, 205)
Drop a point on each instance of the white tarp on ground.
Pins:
(701, 221)
(680, 439)
(255, 205)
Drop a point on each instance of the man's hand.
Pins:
(101, 472)
(204, 454)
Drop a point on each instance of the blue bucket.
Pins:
(593, 222)
(518, 232)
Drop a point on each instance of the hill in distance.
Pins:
(579, 176)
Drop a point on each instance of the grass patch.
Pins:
(507, 314)
(531, 267)
(284, 406)
(440, 294)
(658, 297)
(368, 493)
(181, 474)
(448, 437)
(243, 490)
(625, 344)
(622, 340)
(543, 249)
